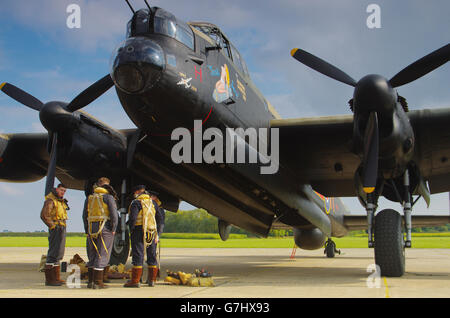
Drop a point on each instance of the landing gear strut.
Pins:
(407, 209)
(371, 207)
(386, 232)
(330, 249)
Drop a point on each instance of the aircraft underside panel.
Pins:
(203, 186)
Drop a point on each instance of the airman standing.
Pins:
(152, 261)
(100, 220)
(144, 235)
(54, 215)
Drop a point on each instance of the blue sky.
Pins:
(42, 56)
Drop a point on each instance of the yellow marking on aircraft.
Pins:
(325, 201)
(312, 121)
(293, 51)
(241, 88)
(330, 207)
(369, 189)
(1, 85)
(272, 110)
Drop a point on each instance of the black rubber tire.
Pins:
(330, 249)
(389, 243)
(119, 254)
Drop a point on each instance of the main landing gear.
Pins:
(386, 233)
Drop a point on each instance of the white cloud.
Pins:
(102, 21)
(37, 128)
(53, 84)
(9, 189)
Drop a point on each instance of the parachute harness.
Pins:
(97, 218)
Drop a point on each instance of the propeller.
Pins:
(91, 93)
(131, 148)
(321, 66)
(371, 150)
(50, 181)
(409, 74)
(22, 97)
(52, 112)
(376, 98)
(421, 67)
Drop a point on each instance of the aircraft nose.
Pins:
(374, 93)
(137, 65)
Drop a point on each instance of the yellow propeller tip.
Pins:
(369, 189)
(293, 51)
(1, 85)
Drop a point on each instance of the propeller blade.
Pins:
(50, 182)
(421, 67)
(91, 93)
(132, 147)
(322, 67)
(21, 96)
(371, 149)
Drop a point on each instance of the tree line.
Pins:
(200, 221)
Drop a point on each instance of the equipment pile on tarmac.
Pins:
(119, 272)
(200, 278)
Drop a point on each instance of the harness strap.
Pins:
(95, 246)
(145, 213)
(100, 218)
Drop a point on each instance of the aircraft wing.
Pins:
(319, 150)
(23, 157)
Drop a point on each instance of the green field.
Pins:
(190, 240)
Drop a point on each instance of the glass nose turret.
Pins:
(137, 65)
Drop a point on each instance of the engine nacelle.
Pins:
(309, 239)
(92, 150)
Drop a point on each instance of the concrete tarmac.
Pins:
(247, 273)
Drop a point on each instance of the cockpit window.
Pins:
(167, 24)
(239, 61)
(142, 22)
(214, 33)
(163, 23)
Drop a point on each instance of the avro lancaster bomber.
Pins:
(171, 75)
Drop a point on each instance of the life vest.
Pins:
(59, 212)
(146, 218)
(97, 210)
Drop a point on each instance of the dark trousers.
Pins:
(97, 255)
(137, 246)
(56, 244)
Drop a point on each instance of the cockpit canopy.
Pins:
(228, 49)
(159, 21)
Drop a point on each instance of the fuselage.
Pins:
(169, 74)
